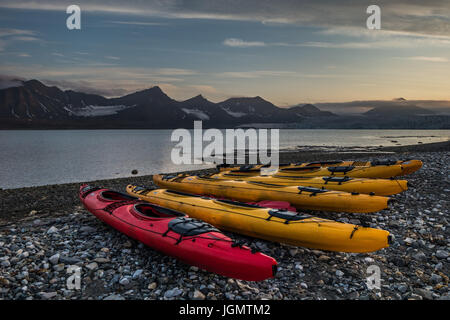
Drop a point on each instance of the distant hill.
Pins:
(32, 104)
(398, 111)
(309, 110)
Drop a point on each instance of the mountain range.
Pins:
(32, 104)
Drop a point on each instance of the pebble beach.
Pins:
(45, 230)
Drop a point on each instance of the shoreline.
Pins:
(39, 197)
(312, 153)
(39, 223)
(66, 127)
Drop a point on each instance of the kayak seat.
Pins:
(190, 227)
(287, 215)
(384, 162)
(336, 179)
(141, 189)
(312, 190)
(154, 211)
(110, 195)
(360, 164)
(340, 169)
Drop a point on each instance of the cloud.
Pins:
(6, 32)
(364, 39)
(139, 23)
(256, 74)
(233, 42)
(90, 87)
(274, 73)
(24, 55)
(7, 35)
(106, 80)
(25, 38)
(426, 17)
(175, 72)
(365, 105)
(112, 57)
(428, 59)
(204, 88)
(7, 81)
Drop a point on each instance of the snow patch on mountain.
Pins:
(96, 111)
(44, 107)
(29, 115)
(234, 114)
(14, 113)
(197, 113)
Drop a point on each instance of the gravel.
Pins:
(36, 251)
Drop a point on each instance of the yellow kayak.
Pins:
(298, 196)
(379, 187)
(355, 169)
(270, 224)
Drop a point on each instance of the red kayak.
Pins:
(174, 233)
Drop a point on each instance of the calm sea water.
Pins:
(41, 157)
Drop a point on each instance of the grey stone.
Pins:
(59, 267)
(426, 294)
(420, 256)
(198, 295)
(402, 288)
(175, 292)
(339, 273)
(435, 278)
(138, 273)
(92, 266)
(442, 254)
(114, 297)
(5, 263)
(47, 295)
(54, 259)
(229, 296)
(52, 230)
(69, 260)
(124, 281)
(87, 229)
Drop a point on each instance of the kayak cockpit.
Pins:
(109, 195)
(153, 211)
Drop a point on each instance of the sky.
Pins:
(287, 51)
